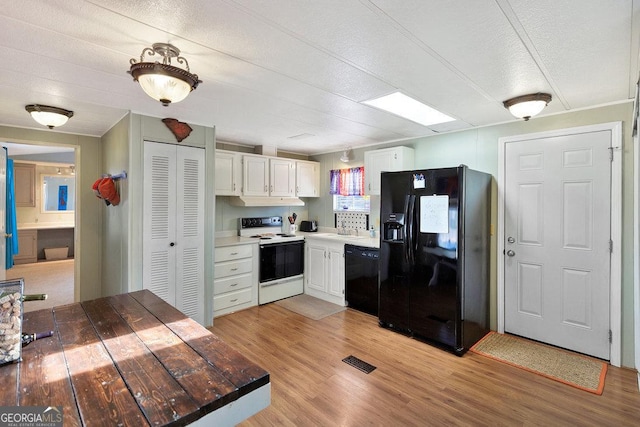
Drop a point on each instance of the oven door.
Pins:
(281, 260)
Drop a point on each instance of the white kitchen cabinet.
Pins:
(235, 285)
(282, 177)
(307, 179)
(267, 176)
(173, 226)
(385, 160)
(255, 175)
(324, 270)
(228, 173)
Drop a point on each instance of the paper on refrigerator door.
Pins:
(434, 214)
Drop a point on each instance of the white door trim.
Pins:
(616, 224)
(636, 247)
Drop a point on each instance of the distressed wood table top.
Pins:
(130, 359)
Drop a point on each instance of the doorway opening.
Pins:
(46, 221)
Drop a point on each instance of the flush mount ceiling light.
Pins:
(346, 155)
(164, 82)
(527, 106)
(404, 106)
(49, 116)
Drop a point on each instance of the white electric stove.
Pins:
(281, 258)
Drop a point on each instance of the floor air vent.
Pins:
(359, 364)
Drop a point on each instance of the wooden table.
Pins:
(132, 359)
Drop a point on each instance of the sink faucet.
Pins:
(356, 230)
(343, 231)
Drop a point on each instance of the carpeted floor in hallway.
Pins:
(54, 278)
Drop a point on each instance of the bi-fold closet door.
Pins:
(173, 226)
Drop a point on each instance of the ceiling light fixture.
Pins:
(164, 82)
(527, 106)
(346, 155)
(48, 116)
(404, 106)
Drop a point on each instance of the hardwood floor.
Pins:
(414, 383)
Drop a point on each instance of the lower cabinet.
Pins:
(324, 270)
(235, 285)
(28, 246)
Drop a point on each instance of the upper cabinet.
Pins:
(255, 175)
(228, 173)
(267, 176)
(25, 184)
(282, 177)
(307, 179)
(385, 160)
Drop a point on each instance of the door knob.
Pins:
(8, 236)
(172, 244)
(511, 240)
(510, 253)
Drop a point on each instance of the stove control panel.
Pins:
(268, 221)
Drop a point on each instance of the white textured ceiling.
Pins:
(277, 69)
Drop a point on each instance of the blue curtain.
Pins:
(12, 225)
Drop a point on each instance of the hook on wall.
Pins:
(116, 177)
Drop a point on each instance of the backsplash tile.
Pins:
(352, 220)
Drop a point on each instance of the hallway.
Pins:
(54, 278)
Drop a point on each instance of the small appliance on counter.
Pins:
(309, 226)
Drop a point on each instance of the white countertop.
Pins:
(361, 240)
(43, 226)
(234, 240)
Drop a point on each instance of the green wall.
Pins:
(478, 149)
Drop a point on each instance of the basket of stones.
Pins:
(11, 296)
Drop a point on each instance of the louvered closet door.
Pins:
(173, 241)
(190, 232)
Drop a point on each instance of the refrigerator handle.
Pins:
(411, 229)
(406, 239)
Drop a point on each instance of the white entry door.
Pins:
(557, 232)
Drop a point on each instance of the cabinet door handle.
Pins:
(234, 269)
(235, 284)
(234, 253)
(234, 300)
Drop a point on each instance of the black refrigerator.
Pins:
(434, 255)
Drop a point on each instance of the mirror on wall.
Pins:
(58, 193)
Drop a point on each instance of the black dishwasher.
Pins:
(361, 278)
